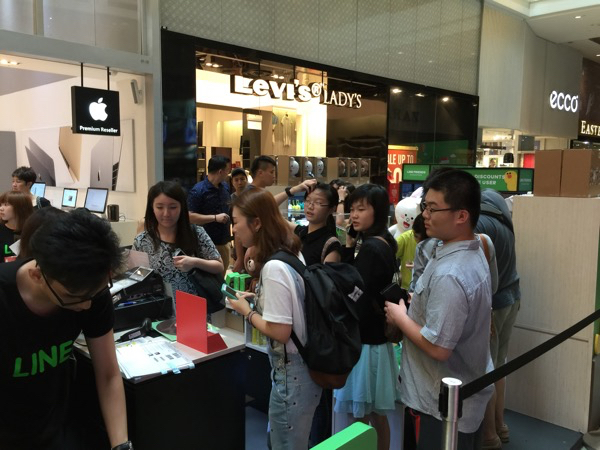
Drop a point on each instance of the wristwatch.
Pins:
(124, 446)
(342, 200)
(288, 191)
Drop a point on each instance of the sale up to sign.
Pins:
(397, 156)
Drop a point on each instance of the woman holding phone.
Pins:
(174, 246)
(372, 387)
(279, 310)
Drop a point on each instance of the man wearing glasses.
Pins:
(45, 302)
(447, 328)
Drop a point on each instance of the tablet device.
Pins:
(38, 189)
(95, 200)
(69, 198)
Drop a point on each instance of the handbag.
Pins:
(208, 286)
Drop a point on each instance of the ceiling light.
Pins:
(578, 17)
(6, 62)
(400, 53)
(420, 94)
(430, 61)
(396, 90)
(274, 75)
(598, 54)
(281, 77)
(216, 65)
(445, 99)
(209, 64)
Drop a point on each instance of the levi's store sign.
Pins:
(95, 111)
(280, 90)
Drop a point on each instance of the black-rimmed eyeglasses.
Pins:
(92, 298)
(425, 207)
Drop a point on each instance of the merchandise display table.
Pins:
(201, 407)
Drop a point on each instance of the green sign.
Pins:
(525, 180)
(504, 180)
(415, 172)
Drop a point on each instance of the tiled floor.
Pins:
(526, 433)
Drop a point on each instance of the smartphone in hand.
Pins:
(178, 252)
(229, 291)
(394, 293)
(352, 232)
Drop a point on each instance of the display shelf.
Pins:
(248, 338)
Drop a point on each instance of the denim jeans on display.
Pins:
(294, 398)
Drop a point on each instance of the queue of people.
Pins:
(446, 329)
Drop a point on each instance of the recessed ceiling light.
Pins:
(396, 90)
(430, 61)
(281, 77)
(400, 53)
(445, 99)
(216, 65)
(6, 62)
(420, 95)
(274, 75)
(578, 17)
(209, 64)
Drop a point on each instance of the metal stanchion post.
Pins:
(450, 409)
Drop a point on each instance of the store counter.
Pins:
(202, 407)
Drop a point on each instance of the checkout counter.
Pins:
(199, 406)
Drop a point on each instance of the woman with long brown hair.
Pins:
(279, 300)
(15, 209)
(174, 246)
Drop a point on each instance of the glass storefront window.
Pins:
(100, 23)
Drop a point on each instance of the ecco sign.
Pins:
(293, 91)
(564, 102)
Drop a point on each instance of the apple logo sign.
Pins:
(97, 110)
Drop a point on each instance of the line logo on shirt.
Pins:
(38, 362)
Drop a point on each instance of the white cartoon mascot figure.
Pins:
(406, 211)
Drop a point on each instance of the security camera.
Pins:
(136, 91)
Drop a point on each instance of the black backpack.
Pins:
(333, 343)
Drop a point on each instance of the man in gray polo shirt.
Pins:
(447, 328)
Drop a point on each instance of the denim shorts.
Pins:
(294, 398)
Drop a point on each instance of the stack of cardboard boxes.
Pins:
(567, 173)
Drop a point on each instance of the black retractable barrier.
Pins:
(451, 409)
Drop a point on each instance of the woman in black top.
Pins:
(319, 241)
(372, 388)
(15, 208)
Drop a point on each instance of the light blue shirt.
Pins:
(452, 301)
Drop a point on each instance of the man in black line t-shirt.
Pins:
(45, 302)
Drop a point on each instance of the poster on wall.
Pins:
(398, 155)
(62, 158)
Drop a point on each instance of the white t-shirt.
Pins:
(281, 298)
